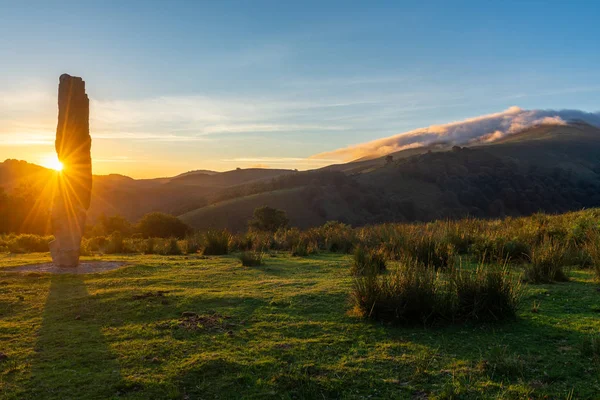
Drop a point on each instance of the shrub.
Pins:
(173, 248)
(162, 225)
(367, 262)
(193, 244)
(303, 249)
(97, 243)
(27, 243)
(485, 294)
(115, 244)
(149, 246)
(268, 219)
(547, 264)
(338, 237)
(251, 258)
(216, 242)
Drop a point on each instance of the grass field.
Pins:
(206, 327)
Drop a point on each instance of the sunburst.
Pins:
(52, 162)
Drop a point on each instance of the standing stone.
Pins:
(73, 145)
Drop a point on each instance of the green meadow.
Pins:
(205, 327)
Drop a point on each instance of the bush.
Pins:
(193, 244)
(547, 264)
(115, 244)
(162, 225)
(149, 246)
(251, 258)
(216, 243)
(303, 249)
(27, 243)
(338, 237)
(268, 219)
(367, 262)
(173, 248)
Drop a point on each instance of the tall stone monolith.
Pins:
(73, 145)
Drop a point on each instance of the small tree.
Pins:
(268, 219)
(115, 223)
(162, 225)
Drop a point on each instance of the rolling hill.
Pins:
(553, 168)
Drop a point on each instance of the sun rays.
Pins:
(52, 162)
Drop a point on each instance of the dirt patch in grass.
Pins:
(209, 322)
(86, 267)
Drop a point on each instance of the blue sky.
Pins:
(181, 85)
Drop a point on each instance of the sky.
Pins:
(184, 85)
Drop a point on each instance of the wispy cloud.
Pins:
(484, 128)
(280, 162)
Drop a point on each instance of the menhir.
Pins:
(73, 145)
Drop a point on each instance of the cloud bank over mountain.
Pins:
(486, 128)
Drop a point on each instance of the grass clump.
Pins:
(173, 248)
(591, 348)
(407, 295)
(431, 251)
(547, 264)
(415, 293)
(216, 242)
(502, 362)
(487, 294)
(367, 262)
(304, 248)
(251, 258)
(592, 248)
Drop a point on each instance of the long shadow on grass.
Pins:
(73, 359)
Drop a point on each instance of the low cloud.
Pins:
(486, 128)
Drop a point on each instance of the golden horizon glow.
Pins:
(52, 162)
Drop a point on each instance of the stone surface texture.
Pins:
(73, 147)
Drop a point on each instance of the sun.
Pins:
(52, 162)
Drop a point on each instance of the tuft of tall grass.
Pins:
(304, 248)
(173, 248)
(431, 250)
(216, 242)
(407, 295)
(415, 293)
(486, 294)
(548, 263)
(367, 262)
(592, 248)
(251, 258)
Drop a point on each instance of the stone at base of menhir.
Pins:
(68, 258)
